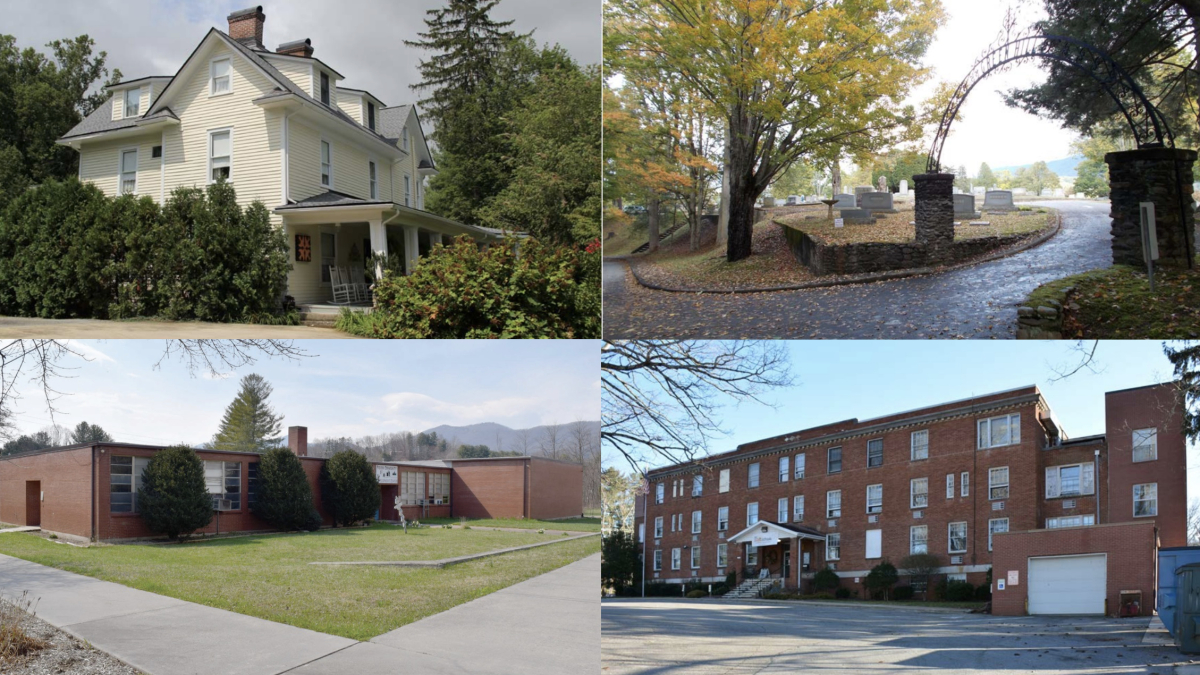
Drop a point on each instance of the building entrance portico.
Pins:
(775, 550)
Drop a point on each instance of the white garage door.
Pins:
(1067, 584)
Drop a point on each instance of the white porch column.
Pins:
(411, 248)
(378, 245)
(436, 238)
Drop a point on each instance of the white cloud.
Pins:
(412, 410)
(89, 352)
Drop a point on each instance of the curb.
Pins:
(446, 562)
(860, 279)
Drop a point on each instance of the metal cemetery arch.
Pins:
(1149, 128)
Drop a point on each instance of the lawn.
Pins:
(770, 264)
(268, 576)
(573, 524)
(896, 228)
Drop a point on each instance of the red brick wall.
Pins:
(1132, 560)
(65, 478)
(491, 488)
(556, 489)
(389, 492)
(1081, 453)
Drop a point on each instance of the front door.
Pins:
(787, 565)
(33, 503)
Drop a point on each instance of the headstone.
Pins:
(964, 206)
(998, 201)
(768, 201)
(793, 200)
(1080, 195)
(876, 202)
(1019, 191)
(861, 189)
(904, 187)
(858, 216)
(978, 189)
(1058, 192)
(883, 184)
(845, 201)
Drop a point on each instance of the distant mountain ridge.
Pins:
(522, 440)
(1064, 167)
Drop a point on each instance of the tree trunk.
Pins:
(652, 216)
(742, 194)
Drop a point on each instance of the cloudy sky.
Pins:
(361, 39)
(343, 388)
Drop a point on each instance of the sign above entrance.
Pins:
(386, 475)
(764, 537)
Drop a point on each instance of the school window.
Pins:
(752, 476)
(781, 510)
(783, 469)
(695, 557)
(220, 77)
(326, 164)
(723, 481)
(875, 498)
(439, 488)
(964, 484)
(918, 539)
(658, 561)
(124, 482)
(722, 519)
(675, 558)
(996, 525)
(833, 504)
(224, 483)
(696, 515)
(919, 444)
(133, 102)
(659, 493)
(999, 431)
(697, 485)
(641, 532)
(325, 88)
(798, 467)
(674, 489)
(875, 452)
(949, 486)
(918, 493)
(129, 162)
(1070, 521)
(798, 508)
(751, 513)
(373, 180)
(834, 456)
(1070, 480)
(251, 483)
(752, 556)
(958, 538)
(722, 555)
(998, 482)
(1145, 445)
(658, 527)
(833, 547)
(1145, 500)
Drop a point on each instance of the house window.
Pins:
(722, 555)
(326, 164)
(918, 539)
(998, 482)
(407, 191)
(752, 556)
(220, 156)
(722, 519)
(875, 498)
(781, 510)
(1145, 445)
(874, 544)
(696, 515)
(996, 525)
(325, 88)
(658, 561)
(919, 444)
(798, 508)
(697, 485)
(875, 452)
(133, 102)
(1145, 500)
(129, 162)
(784, 467)
(723, 481)
(224, 482)
(373, 180)
(220, 77)
(1070, 480)
(833, 504)
(658, 493)
(835, 460)
(752, 476)
(999, 431)
(1070, 521)
(329, 258)
(751, 513)
(958, 537)
(404, 138)
(370, 116)
(798, 467)
(658, 527)
(918, 493)
(156, 152)
(949, 486)
(124, 482)
(833, 547)
(412, 490)
(964, 484)
(675, 558)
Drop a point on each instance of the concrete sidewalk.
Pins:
(548, 624)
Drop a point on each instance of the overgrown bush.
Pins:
(731, 579)
(826, 579)
(903, 593)
(842, 593)
(460, 291)
(658, 589)
(285, 499)
(880, 580)
(983, 592)
(719, 590)
(173, 498)
(959, 591)
(349, 489)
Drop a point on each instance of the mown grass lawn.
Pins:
(573, 524)
(268, 576)
(896, 228)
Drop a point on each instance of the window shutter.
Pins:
(1087, 482)
(1051, 482)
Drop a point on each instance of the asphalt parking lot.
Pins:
(660, 636)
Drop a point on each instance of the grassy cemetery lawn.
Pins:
(268, 576)
(573, 524)
(896, 228)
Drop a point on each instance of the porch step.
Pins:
(752, 588)
(318, 319)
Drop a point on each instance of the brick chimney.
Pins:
(296, 48)
(298, 440)
(246, 26)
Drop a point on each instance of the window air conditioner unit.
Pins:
(222, 504)
(956, 560)
(872, 519)
(997, 506)
(832, 523)
(918, 514)
(1068, 503)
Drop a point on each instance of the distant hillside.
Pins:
(1063, 167)
(493, 435)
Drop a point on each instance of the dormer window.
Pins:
(133, 102)
(325, 88)
(404, 138)
(370, 116)
(220, 77)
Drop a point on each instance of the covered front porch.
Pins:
(776, 551)
(335, 236)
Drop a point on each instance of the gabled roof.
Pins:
(101, 121)
(776, 531)
(391, 124)
(126, 83)
(331, 198)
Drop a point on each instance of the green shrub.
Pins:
(284, 498)
(173, 498)
(823, 596)
(731, 579)
(880, 580)
(826, 579)
(842, 593)
(719, 590)
(349, 489)
(697, 594)
(983, 592)
(903, 593)
(959, 591)
(460, 291)
(658, 589)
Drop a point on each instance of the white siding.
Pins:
(351, 104)
(118, 106)
(298, 72)
(350, 170)
(304, 158)
(99, 164)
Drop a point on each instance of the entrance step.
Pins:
(318, 319)
(26, 528)
(752, 588)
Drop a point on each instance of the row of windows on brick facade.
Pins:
(1145, 448)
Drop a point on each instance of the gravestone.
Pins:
(903, 187)
(978, 190)
(998, 201)
(862, 189)
(857, 216)
(1058, 192)
(883, 184)
(793, 200)
(845, 201)
(876, 202)
(768, 201)
(1019, 191)
(964, 206)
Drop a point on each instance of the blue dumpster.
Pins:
(1169, 560)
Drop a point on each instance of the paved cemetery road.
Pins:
(974, 302)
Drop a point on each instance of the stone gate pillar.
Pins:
(934, 209)
(1150, 175)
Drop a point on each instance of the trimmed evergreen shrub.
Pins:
(903, 593)
(285, 499)
(173, 499)
(349, 489)
(842, 593)
(880, 580)
(697, 594)
(983, 592)
(959, 591)
(826, 579)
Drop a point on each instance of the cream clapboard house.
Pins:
(341, 172)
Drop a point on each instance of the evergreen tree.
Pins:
(620, 562)
(249, 424)
(173, 499)
(349, 488)
(89, 433)
(284, 498)
(986, 178)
